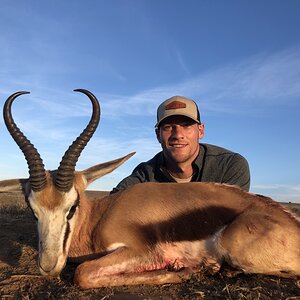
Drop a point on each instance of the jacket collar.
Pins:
(198, 163)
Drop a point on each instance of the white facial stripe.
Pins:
(115, 246)
(55, 230)
(70, 197)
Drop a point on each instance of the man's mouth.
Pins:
(178, 145)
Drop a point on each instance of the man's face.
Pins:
(179, 136)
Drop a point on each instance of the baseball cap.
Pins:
(178, 105)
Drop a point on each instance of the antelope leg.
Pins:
(124, 267)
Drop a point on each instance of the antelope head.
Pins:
(54, 196)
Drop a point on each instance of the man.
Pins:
(183, 158)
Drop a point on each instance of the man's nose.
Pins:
(177, 131)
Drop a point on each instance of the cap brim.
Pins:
(180, 114)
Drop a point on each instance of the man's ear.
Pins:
(157, 134)
(201, 130)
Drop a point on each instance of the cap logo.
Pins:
(175, 105)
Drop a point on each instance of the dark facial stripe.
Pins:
(67, 233)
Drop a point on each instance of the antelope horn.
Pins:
(65, 171)
(37, 173)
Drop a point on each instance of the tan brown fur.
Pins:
(155, 227)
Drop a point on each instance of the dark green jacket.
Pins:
(213, 164)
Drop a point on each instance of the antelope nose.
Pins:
(47, 266)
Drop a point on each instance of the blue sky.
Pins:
(240, 60)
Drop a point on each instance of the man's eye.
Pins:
(166, 127)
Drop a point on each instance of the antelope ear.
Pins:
(15, 185)
(97, 171)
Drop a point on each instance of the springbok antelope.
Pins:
(150, 233)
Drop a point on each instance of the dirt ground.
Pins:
(20, 278)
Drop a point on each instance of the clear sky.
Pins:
(240, 60)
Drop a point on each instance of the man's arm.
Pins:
(238, 172)
(137, 176)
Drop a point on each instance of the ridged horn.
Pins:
(65, 171)
(37, 173)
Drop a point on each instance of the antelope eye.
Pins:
(72, 212)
